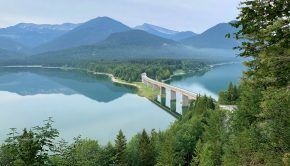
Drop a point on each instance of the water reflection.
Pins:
(80, 104)
(210, 82)
(36, 81)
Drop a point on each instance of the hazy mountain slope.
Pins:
(9, 57)
(165, 33)
(135, 38)
(129, 44)
(87, 33)
(9, 44)
(32, 35)
(182, 35)
(213, 38)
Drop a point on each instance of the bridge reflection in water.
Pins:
(187, 96)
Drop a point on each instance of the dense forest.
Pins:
(158, 69)
(256, 133)
(231, 96)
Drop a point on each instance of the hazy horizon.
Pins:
(190, 15)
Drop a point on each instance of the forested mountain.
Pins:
(137, 38)
(7, 54)
(11, 45)
(165, 33)
(87, 33)
(104, 37)
(213, 38)
(132, 44)
(32, 35)
(182, 35)
(122, 45)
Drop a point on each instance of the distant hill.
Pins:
(129, 44)
(213, 38)
(135, 38)
(87, 33)
(165, 33)
(106, 38)
(11, 45)
(32, 35)
(182, 35)
(10, 57)
(133, 44)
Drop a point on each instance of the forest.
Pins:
(158, 69)
(256, 133)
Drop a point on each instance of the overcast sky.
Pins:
(194, 15)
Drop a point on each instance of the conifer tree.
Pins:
(146, 150)
(120, 149)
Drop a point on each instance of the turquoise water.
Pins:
(212, 82)
(208, 83)
(80, 104)
(93, 106)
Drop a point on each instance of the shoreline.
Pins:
(209, 67)
(113, 78)
(142, 90)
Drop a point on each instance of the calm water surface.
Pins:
(211, 82)
(208, 83)
(80, 104)
(92, 106)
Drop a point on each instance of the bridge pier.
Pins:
(187, 96)
(172, 100)
(185, 103)
(163, 95)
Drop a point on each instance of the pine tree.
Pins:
(257, 134)
(146, 150)
(120, 149)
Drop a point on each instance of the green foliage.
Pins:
(32, 147)
(259, 129)
(106, 155)
(230, 96)
(133, 156)
(120, 148)
(145, 149)
(131, 71)
(257, 133)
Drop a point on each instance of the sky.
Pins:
(181, 15)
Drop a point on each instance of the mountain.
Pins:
(213, 38)
(87, 33)
(165, 33)
(11, 45)
(32, 35)
(156, 30)
(182, 35)
(135, 38)
(122, 45)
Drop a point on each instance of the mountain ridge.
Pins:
(90, 32)
(165, 33)
(214, 37)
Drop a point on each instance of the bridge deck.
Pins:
(185, 92)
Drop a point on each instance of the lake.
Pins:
(80, 104)
(92, 106)
(211, 82)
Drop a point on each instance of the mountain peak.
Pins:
(148, 27)
(35, 27)
(90, 32)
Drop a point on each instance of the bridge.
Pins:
(187, 96)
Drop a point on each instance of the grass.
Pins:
(142, 90)
(145, 91)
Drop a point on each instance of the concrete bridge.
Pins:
(187, 96)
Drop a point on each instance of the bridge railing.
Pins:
(161, 84)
